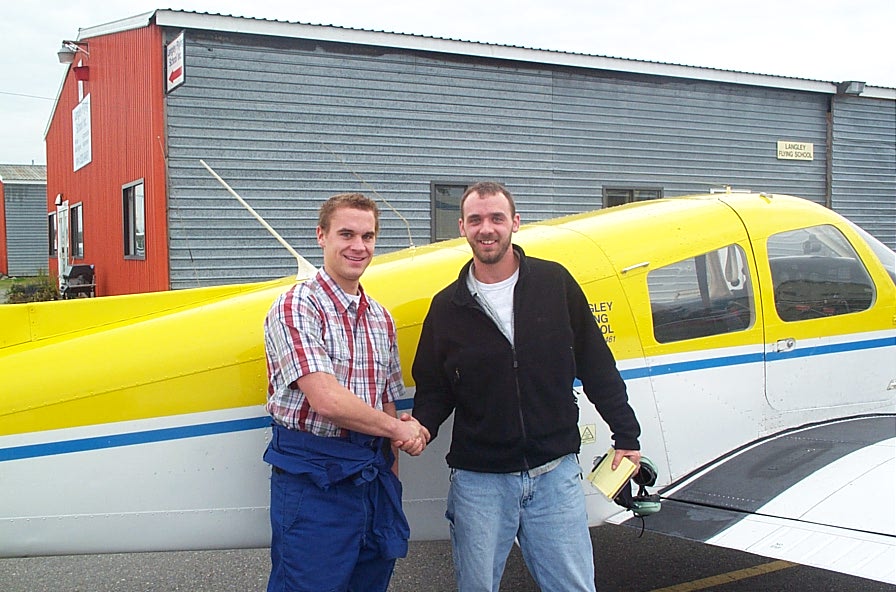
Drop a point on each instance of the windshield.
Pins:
(886, 256)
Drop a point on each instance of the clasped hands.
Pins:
(412, 436)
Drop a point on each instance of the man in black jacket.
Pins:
(501, 348)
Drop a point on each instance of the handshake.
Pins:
(410, 436)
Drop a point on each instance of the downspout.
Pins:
(829, 155)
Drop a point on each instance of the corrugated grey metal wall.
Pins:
(686, 136)
(289, 122)
(26, 228)
(864, 164)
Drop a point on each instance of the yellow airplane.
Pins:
(756, 334)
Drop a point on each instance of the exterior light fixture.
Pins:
(850, 87)
(69, 49)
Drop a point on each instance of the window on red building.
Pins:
(76, 232)
(134, 221)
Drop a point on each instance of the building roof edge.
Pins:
(333, 33)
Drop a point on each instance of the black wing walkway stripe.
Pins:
(740, 486)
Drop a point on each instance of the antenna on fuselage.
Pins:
(407, 225)
(305, 269)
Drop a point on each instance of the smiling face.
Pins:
(487, 222)
(348, 245)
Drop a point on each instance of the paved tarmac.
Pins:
(625, 562)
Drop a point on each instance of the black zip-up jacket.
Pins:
(514, 407)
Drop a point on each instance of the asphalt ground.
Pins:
(625, 562)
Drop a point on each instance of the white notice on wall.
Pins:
(81, 149)
(174, 73)
(795, 150)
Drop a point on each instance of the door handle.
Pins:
(785, 345)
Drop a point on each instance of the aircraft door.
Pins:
(826, 322)
(701, 327)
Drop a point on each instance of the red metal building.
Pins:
(105, 141)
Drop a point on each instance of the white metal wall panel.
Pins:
(26, 228)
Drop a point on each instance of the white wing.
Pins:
(823, 496)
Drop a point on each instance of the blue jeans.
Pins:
(546, 514)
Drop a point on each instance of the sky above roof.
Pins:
(831, 40)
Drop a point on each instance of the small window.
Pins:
(710, 294)
(51, 234)
(134, 226)
(615, 196)
(446, 210)
(816, 273)
(76, 232)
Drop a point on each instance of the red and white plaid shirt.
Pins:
(317, 327)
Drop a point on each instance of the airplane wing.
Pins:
(823, 496)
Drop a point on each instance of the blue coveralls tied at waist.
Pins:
(358, 457)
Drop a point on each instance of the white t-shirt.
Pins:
(497, 300)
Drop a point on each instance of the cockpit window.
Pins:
(881, 251)
(816, 273)
(709, 294)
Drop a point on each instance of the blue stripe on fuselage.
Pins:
(835, 348)
(238, 425)
(752, 358)
(117, 440)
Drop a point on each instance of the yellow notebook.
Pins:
(608, 481)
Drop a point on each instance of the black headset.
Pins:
(645, 503)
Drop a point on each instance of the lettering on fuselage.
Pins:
(601, 312)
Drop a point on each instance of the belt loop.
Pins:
(275, 436)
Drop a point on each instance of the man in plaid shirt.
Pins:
(334, 375)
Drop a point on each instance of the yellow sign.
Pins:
(587, 433)
(795, 150)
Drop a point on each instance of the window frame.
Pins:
(632, 194)
(434, 209)
(133, 205)
(76, 231)
(52, 234)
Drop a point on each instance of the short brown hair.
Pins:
(488, 188)
(357, 201)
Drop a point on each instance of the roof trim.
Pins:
(470, 48)
(20, 182)
(256, 26)
(23, 174)
(126, 24)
